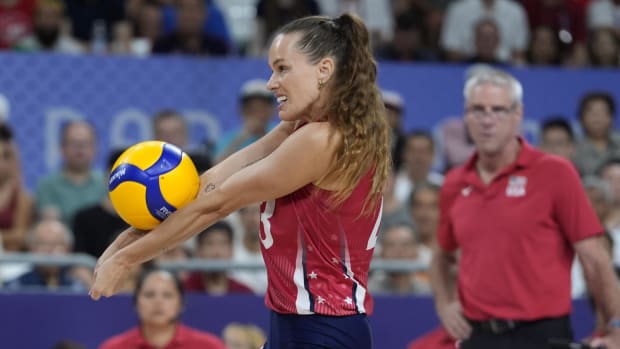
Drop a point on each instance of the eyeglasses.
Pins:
(498, 111)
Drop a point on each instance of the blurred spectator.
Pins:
(394, 111)
(85, 16)
(456, 143)
(557, 137)
(596, 113)
(136, 35)
(406, 45)
(258, 107)
(240, 336)
(247, 250)
(604, 48)
(171, 127)
(214, 24)
(15, 21)
(76, 185)
(189, 36)
(604, 13)
(424, 210)
(417, 168)
(272, 14)
(601, 197)
(48, 237)
(399, 243)
(566, 19)
(457, 36)
(610, 172)
(545, 47)
(179, 253)
(215, 243)
(49, 33)
(394, 211)
(94, 227)
(486, 42)
(16, 204)
(158, 300)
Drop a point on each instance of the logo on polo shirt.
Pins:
(466, 191)
(516, 186)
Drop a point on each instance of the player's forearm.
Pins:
(442, 278)
(124, 239)
(176, 229)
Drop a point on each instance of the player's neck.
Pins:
(158, 335)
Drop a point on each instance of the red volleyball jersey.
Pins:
(317, 258)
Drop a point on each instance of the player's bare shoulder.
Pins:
(319, 136)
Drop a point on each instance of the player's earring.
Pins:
(321, 84)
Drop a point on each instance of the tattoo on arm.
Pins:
(209, 187)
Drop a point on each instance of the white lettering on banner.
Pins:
(123, 121)
(204, 120)
(55, 117)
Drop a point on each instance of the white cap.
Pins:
(393, 99)
(255, 88)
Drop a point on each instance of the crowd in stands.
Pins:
(503, 32)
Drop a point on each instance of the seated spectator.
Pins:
(604, 13)
(179, 253)
(15, 21)
(171, 127)
(48, 32)
(424, 211)
(604, 48)
(557, 137)
(189, 36)
(158, 300)
(417, 168)
(16, 204)
(545, 47)
(486, 42)
(240, 336)
(85, 16)
(48, 237)
(258, 107)
(215, 242)
(406, 45)
(597, 112)
(247, 249)
(136, 35)
(272, 14)
(399, 244)
(610, 173)
(394, 111)
(457, 36)
(77, 184)
(94, 227)
(457, 145)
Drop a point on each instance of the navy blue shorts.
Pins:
(292, 331)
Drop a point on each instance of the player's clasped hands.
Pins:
(451, 317)
(108, 275)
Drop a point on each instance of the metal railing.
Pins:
(195, 264)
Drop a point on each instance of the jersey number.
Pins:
(264, 218)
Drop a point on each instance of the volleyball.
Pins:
(149, 181)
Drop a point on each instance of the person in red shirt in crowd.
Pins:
(516, 217)
(159, 301)
(215, 243)
(320, 175)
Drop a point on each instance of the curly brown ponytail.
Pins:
(355, 107)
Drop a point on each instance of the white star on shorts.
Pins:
(348, 300)
(320, 300)
(313, 275)
(335, 260)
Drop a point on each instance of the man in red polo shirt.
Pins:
(516, 216)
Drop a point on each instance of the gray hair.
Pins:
(488, 75)
(600, 185)
(30, 236)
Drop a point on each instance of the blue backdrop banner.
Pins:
(119, 95)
